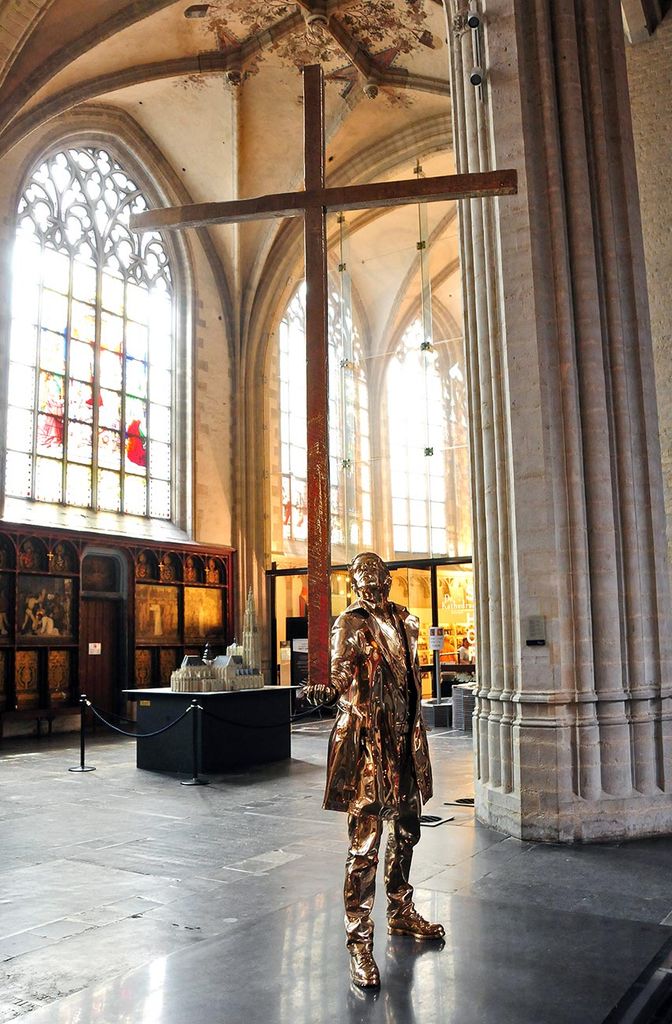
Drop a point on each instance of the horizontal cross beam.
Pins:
(349, 197)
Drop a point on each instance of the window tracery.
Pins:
(428, 445)
(92, 343)
(349, 446)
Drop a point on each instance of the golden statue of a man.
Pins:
(378, 763)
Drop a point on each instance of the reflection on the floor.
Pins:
(500, 964)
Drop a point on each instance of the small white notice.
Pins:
(95, 648)
(300, 645)
(436, 638)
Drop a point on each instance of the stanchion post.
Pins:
(82, 767)
(195, 780)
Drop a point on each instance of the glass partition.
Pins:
(291, 607)
(412, 587)
(455, 591)
(438, 594)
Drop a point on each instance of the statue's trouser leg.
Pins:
(360, 877)
(403, 836)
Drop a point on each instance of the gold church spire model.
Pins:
(251, 646)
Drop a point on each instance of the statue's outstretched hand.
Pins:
(321, 693)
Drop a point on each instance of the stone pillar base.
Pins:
(538, 819)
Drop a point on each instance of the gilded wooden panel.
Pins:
(193, 569)
(143, 667)
(99, 574)
(169, 569)
(32, 555)
(63, 558)
(26, 679)
(146, 567)
(6, 602)
(58, 676)
(212, 571)
(168, 661)
(203, 614)
(3, 680)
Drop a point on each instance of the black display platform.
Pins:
(257, 728)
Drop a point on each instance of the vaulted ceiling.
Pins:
(217, 88)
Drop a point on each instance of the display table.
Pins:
(260, 732)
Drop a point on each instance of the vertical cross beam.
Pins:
(317, 385)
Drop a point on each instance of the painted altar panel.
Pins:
(156, 613)
(45, 608)
(203, 612)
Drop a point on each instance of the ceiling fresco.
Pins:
(249, 17)
(338, 34)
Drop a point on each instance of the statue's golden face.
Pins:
(370, 574)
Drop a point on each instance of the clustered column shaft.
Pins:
(589, 751)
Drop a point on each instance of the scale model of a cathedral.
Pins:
(238, 669)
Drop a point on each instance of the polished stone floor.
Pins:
(126, 897)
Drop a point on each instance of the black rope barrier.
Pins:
(120, 718)
(139, 735)
(195, 780)
(85, 703)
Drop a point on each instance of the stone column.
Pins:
(574, 738)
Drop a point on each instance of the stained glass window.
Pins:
(92, 346)
(428, 446)
(348, 430)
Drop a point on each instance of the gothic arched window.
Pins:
(348, 428)
(428, 441)
(91, 369)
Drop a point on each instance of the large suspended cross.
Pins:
(313, 204)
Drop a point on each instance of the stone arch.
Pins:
(17, 21)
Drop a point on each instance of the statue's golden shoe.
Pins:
(412, 923)
(363, 968)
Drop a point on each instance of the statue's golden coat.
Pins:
(368, 667)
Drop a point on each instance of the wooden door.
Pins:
(100, 676)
